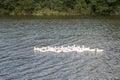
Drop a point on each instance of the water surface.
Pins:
(18, 61)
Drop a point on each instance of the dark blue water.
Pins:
(18, 61)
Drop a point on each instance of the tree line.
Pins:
(59, 7)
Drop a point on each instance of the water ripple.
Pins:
(18, 61)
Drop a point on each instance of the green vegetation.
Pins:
(59, 7)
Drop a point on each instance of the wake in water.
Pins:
(67, 49)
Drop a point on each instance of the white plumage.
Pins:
(67, 49)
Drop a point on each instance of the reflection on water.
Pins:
(18, 61)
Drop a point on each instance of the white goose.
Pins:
(67, 49)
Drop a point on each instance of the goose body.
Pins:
(66, 49)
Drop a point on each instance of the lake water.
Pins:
(18, 60)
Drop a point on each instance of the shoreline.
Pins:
(58, 17)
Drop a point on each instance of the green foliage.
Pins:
(59, 7)
(82, 7)
(111, 1)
